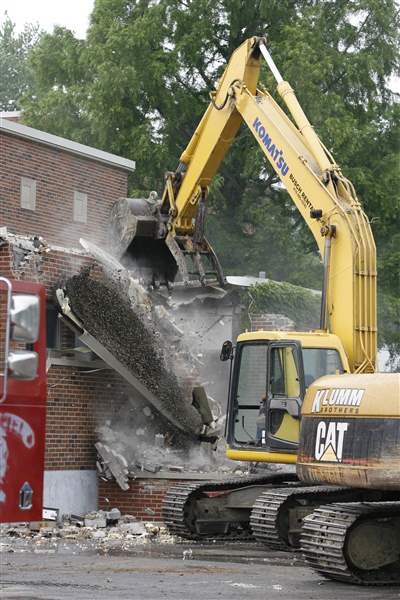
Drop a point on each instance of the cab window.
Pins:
(251, 391)
(284, 378)
(320, 361)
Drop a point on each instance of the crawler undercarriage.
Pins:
(351, 535)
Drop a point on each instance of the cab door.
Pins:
(265, 399)
(284, 397)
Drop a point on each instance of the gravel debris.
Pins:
(105, 308)
(126, 534)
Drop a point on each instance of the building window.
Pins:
(53, 331)
(80, 207)
(28, 193)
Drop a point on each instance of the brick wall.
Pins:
(271, 322)
(48, 266)
(57, 174)
(143, 500)
(77, 399)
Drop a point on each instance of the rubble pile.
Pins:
(125, 452)
(102, 531)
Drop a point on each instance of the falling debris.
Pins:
(113, 463)
(168, 422)
(110, 312)
(154, 453)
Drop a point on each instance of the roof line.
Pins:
(10, 114)
(48, 139)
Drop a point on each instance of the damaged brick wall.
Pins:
(47, 265)
(58, 174)
(76, 398)
(143, 500)
(77, 401)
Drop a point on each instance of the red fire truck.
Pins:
(23, 394)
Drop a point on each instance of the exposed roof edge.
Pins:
(246, 281)
(42, 137)
(10, 114)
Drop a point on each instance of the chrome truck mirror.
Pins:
(24, 318)
(23, 365)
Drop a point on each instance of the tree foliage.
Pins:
(139, 84)
(15, 73)
(301, 305)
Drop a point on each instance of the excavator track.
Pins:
(277, 515)
(179, 507)
(354, 543)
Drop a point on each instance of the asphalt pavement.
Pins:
(173, 572)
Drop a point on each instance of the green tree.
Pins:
(58, 100)
(139, 84)
(15, 73)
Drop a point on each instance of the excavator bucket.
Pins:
(136, 240)
(139, 239)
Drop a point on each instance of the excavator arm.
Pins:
(324, 197)
(216, 131)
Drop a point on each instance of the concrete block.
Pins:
(134, 528)
(97, 521)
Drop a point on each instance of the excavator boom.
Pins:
(167, 238)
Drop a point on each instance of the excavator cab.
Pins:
(269, 380)
(266, 396)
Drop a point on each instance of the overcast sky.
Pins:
(73, 14)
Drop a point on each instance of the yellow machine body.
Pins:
(289, 427)
(350, 431)
(329, 206)
(307, 398)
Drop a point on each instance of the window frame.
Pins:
(30, 202)
(80, 212)
(320, 348)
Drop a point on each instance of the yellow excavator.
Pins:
(307, 398)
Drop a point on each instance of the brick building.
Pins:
(52, 192)
(56, 188)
